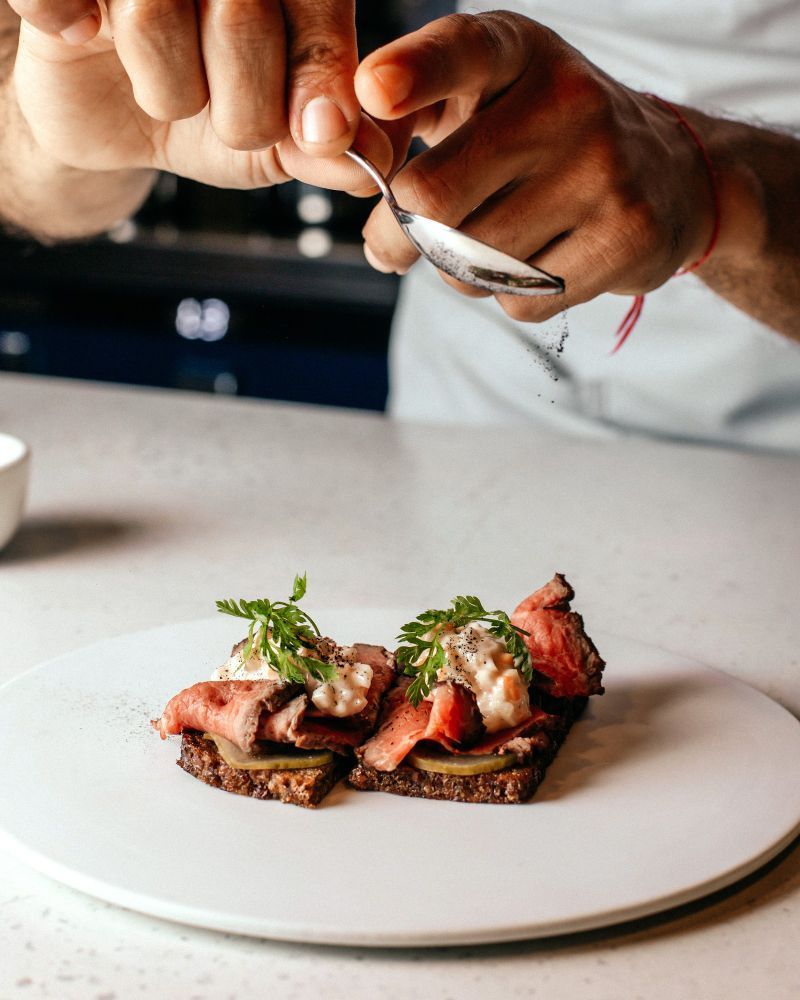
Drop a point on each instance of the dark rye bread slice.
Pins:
(303, 786)
(511, 786)
(517, 784)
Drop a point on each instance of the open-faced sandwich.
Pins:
(281, 717)
(484, 702)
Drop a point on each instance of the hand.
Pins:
(236, 93)
(538, 152)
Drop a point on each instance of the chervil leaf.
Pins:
(299, 589)
(421, 654)
(283, 633)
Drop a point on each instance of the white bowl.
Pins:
(15, 460)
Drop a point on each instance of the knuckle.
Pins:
(427, 192)
(50, 17)
(236, 17)
(497, 33)
(478, 31)
(248, 137)
(576, 92)
(480, 26)
(170, 107)
(319, 58)
(141, 15)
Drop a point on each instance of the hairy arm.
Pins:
(756, 265)
(39, 194)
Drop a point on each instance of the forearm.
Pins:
(756, 264)
(38, 194)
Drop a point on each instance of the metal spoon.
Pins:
(461, 256)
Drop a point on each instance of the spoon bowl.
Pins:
(463, 257)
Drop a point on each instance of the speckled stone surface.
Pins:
(146, 505)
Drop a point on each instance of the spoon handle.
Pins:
(376, 175)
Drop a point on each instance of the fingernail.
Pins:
(322, 121)
(396, 82)
(81, 31)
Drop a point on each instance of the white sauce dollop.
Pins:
(480, 661)
(345, 695)
(256, 668)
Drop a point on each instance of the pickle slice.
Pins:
(288, 761)
(461, 764)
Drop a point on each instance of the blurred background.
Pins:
(257, 293)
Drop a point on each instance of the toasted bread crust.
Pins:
(517, 784)
(305, 786)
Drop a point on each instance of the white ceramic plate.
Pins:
(677, 782)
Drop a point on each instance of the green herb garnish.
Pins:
(422, 655)
(282, 632)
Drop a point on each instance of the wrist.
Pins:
(742, 231)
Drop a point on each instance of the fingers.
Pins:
(447, 182)
(158, 43)
(244, 51)
(247, 55)
(456, 55)
(324, 112)
(530, 219)
(585, 275)
(340, 173)
(230, 54)
(593, 258)
(77, 21)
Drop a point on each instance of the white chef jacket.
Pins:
(695, 367)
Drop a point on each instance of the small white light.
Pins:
(214, 319)
(314, 242)
(314, 207)
(207, 320)
(14, 343)
(226, 383)
(123, 232)
(188, 318)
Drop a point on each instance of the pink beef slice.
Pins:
(562, 654)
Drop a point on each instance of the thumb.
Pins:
(458, 55)
(339, 173)
(324, 113)
(77, 21)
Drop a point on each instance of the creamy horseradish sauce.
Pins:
(480, 661)
(345, 695)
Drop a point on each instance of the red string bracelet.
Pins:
(635, 311)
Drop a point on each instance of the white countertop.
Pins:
(147, 505)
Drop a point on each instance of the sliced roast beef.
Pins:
(451, 719)
(402, 726)
(455, 716)
(562, 654)
(537, 722)
(281, 726)
(243, 711)
(232, 709)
